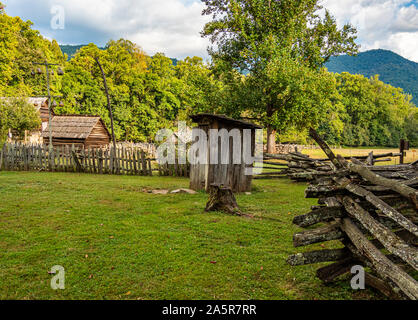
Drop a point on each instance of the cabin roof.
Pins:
(198, 118)
(73, 126)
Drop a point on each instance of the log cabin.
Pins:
(82, 131)
(41, 106)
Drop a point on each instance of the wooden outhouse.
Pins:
(82, 131)
(229, 175)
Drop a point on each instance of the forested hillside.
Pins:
(147, 93)
(20, 47)
(391, 68)
(151, 93)
(71, 50)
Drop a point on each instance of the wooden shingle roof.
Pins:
(72, 127)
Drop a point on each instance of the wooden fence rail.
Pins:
(301, 167)
(174, 170)
(373, 212)
(19, 157)
(125, 161)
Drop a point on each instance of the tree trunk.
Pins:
(222, 199)
(271, 140)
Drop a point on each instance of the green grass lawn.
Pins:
(116, 241)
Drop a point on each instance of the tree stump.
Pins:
(222, 199)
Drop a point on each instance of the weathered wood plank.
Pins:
(379, 204)
(380, 262)
(386, 237)
(329, 273)
(143, 164)
(323, 234)
(314, 135)
(319, 256)
(381, 286)
(317, 216)
(394, 185)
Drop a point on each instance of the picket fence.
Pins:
(126, 161)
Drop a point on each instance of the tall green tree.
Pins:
(147, 93)
(123, 63)
(373, 113)
(200, 90)
(18, 115)
(265, 37)
(20, 46)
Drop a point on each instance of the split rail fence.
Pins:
(373, 212)
(300, 167)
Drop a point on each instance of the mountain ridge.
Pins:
(71, 50)
(392, 68)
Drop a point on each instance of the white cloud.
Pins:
(173, 26)
(381, 24)
(169, 26)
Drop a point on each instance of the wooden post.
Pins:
(138, 159)
(121, 154)
(100, 164)
(2, 152)
(40, 158)
(72, 161)
(131, 159)
(129, 156)
(176, 167)
(12, 157)
(404, 146)
(60, 166)
(125, 160)
(134, 161)
(22, 156)
(144, 164)
(120, 161)
(105, 161)
(150, 167)
(6, 156)
(95, 167)
(111, 161)
(25, 156)
(84, 159)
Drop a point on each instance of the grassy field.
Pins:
(117, 241)
(411, 155)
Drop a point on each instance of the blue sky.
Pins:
(173, 26)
